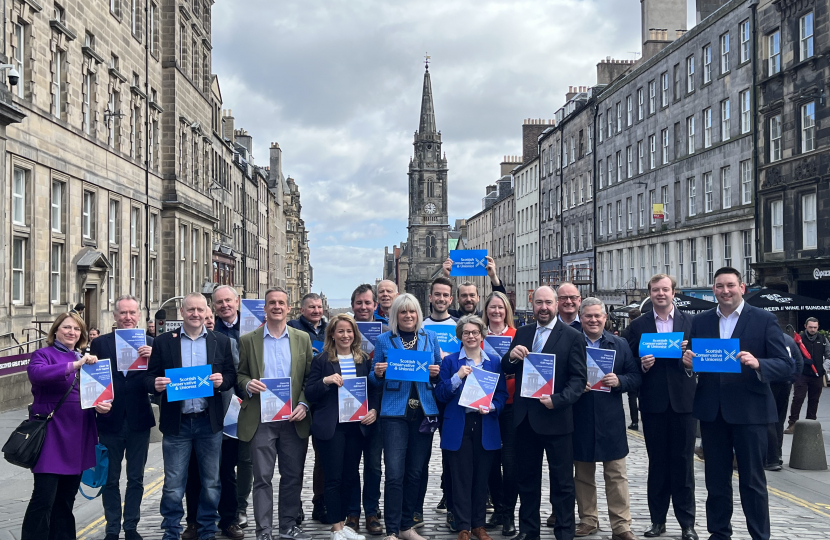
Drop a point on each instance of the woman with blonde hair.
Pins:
(340, 443)
(71, 435)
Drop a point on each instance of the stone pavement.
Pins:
(799, 500)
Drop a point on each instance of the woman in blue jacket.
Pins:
(408, 415)
(470, 435)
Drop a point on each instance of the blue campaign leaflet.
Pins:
(404, 365)
(369, 332)
(500, 344)
(232, 417)
(251, 315)
(189, 382)
(468, 262)
(716, 355)
(479, 387)
(600, 364)
(537, 375)
(317, 346)
(352, 400)
(665, 345)
(127, 343)
(275, 402)
(447, 339)
(96, 384)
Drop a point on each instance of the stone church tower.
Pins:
(428, 220)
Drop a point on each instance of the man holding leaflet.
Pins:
(191, 424)
(599, 429)
(734, 409)
(666, 397)
(125, 431)
(468, 297)
(275, 350)
(545, 426)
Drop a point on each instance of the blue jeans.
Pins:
(406, 450)
(197, 434)
(372, 474)
(134, 444)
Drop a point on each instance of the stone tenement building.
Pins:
(793, 158)
(122, 172)
(677, 130)
(298, 271)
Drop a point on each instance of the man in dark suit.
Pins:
(192, 423)
(666, 396)
(734, 409)
(545, 425)
(126, 429)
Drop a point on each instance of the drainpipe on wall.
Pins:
(753, 6)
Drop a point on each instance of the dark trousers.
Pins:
(405, 450)
(318, 482)
(49, 514)
(670, 444)
(372, 475)
(134, 445)
(805, 386)
(632, 406)
(470, 468)
(227, 477)
(503, 489)
(340, 457)
(749, 442)
(559, 452)
(775, 432)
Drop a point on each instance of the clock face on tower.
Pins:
(430, 208)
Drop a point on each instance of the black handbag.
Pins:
(26, 441)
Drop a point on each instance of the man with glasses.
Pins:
(569, 302)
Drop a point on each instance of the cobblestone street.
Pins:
(799, 500)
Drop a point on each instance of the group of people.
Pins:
(494, 450)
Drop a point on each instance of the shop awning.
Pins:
(772, 300)
(687, 304)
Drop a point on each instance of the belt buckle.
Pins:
(414, 403)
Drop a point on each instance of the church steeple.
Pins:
(427, 126)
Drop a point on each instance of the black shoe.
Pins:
(655, 530)
(111, 536)
(634, 426)
(509, 527)
(496, 520)
(132, 535)
(524, 536)
(451, 522)
(301, 517)
(774, 467)
(442, 506)
(689, 534)
(489, 508)
(319, 514)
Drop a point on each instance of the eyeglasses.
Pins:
(573, 298)
(470, 333)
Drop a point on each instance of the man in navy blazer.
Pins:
(734, 409)
(126, 429)
(545, 426)
(666, 397)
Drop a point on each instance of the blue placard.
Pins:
(369, 331)
(537, 375)
(600, 364)
(500, 344)
(352, 400)
(479, 387)
(404, 365)
(665, 345)
(127, 343)
(189, 382)
(468, 262)
(96, 384)
(318, 346)
(275, 401)
(716, 355)
(251, 315)
(447, 339)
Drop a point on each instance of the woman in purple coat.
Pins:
(69, 446)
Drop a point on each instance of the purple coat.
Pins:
(71, 436)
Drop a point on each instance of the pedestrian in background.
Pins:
(781, 394)
(808, 383)
(633, 409)
(69, 445)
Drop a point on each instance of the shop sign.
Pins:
(821, 274)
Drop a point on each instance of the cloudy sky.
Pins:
(338, 85)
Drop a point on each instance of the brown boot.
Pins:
(790, 429)
(463, 535)
(481, 533)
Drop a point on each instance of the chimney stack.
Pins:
(663, 21)
(704, 8)
(532, 128)
(227, 116)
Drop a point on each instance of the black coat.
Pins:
(323, 398)
(599, 418)
(129, 393)
(167, 354)
(570, 375)
(666, 383)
